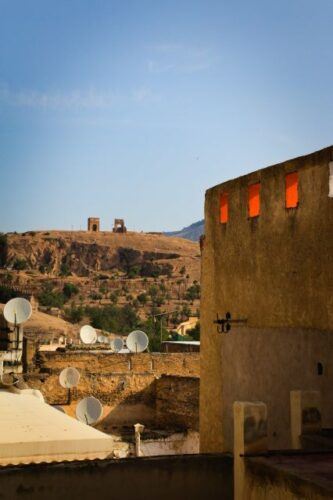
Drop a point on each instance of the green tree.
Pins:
(195, 332)
(65, 269)
(153, 292)
(152, 327)
(193, 293)
(113, 318)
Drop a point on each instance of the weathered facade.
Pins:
(157, 389)
(267, 258)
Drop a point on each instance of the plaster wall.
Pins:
(276, 271)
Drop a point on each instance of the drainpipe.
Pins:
(138, 428)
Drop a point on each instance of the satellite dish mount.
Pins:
(224, 324)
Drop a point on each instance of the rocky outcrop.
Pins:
(80, 253)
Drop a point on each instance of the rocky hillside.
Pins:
(81, 253)
(127, 277)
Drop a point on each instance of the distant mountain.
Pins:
(192, 232)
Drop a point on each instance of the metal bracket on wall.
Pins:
(224, 324)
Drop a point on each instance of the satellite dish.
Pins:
(9, 379)
(69, 377)
(17, 311)
(89, 410)
(137, 341)
(88, 334)
(117, 344)
(100, 339)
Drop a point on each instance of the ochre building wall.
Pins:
(276, 271)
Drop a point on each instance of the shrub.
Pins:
(69, 290)
(20, 264)
(142, 298)
(133, 272)
(182, 271)
(6, 293)
(74, 314)
(114, 297)
(51, 299)
(65, 270)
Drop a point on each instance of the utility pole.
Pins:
(154, 316)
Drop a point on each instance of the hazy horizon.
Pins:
(133, 109)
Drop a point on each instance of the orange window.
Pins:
(292, 190)
(224, 208)
(254, 200)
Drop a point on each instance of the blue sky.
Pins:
(134, 108)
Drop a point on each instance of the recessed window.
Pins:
(292, 190)
(224, 208)
(254, 200)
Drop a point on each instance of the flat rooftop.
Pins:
(31, 431)
(297, 468)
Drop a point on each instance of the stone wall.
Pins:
(99, 362)
(177, 402)
(126, 384)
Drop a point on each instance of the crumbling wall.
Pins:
(177, 402)
(96, 362)
(126, 385)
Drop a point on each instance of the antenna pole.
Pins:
(69, 396)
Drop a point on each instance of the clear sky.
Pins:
(134, 108)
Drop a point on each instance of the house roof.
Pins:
(31, 431)
(186, 342)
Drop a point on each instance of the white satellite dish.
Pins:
(89, 410)
(137, 341)
(117, 344)
(100, 339)
(17, 311)
(88, 334)
(69, 377)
